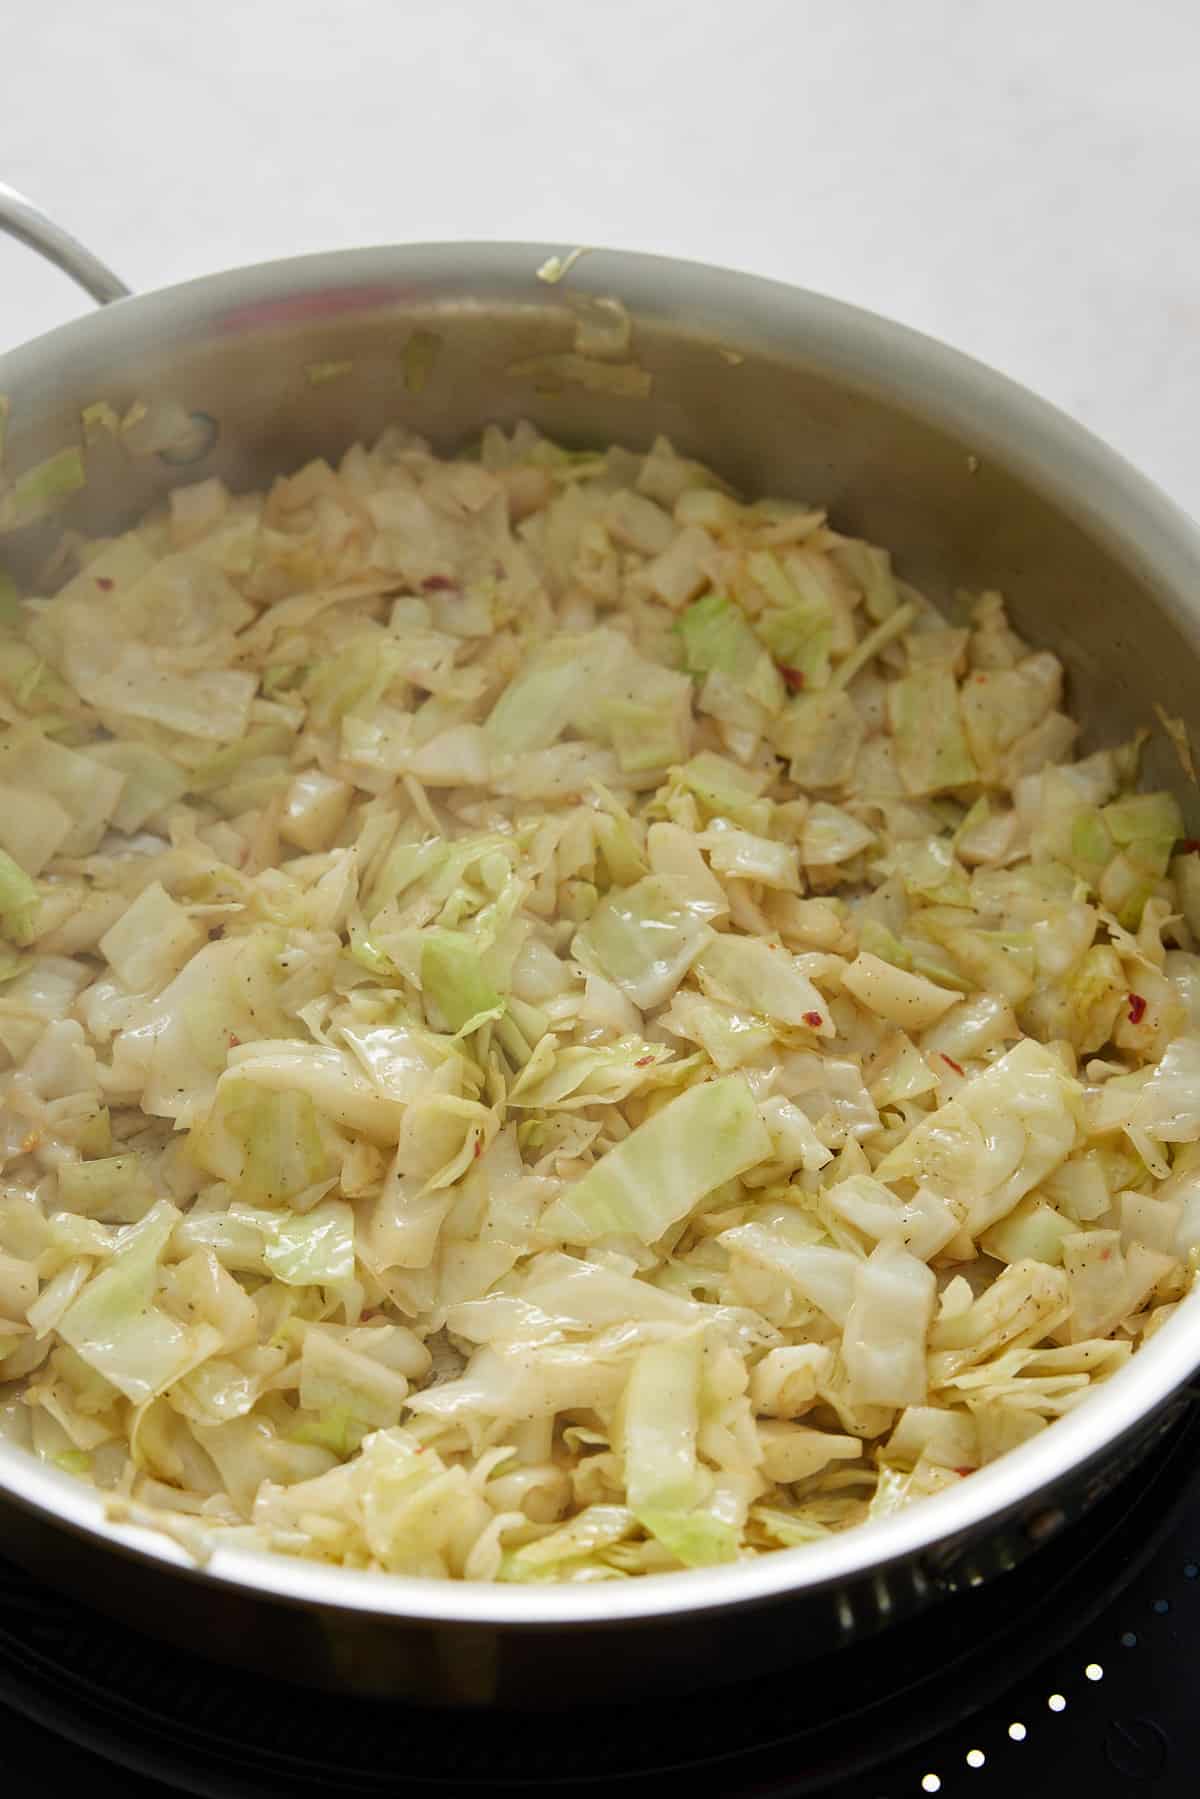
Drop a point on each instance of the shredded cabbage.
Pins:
(555, 1024)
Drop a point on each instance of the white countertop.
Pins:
(1023, 181)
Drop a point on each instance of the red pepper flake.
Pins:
(478, 1150)
(643, 1061)
(794, 677)
(813, 1019)
(104, 581)
(964, 1470)
(1106, 1255)
(437, 584)
(1137, 1008)
(951, 1063)
(235, 1042)
(1189, 845)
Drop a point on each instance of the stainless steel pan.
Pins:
(973, 483)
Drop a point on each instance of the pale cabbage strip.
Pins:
(558, 1025)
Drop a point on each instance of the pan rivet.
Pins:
(197, 445)
(1017, 1732)
(1094, 1671)
(975, 1758)
(931, 1784)
(1057, 1703)
(1044, 1524)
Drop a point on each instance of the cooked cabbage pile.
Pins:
(559, 1025)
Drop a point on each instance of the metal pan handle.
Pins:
(21, 219)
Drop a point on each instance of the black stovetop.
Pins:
(1078, 1672)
